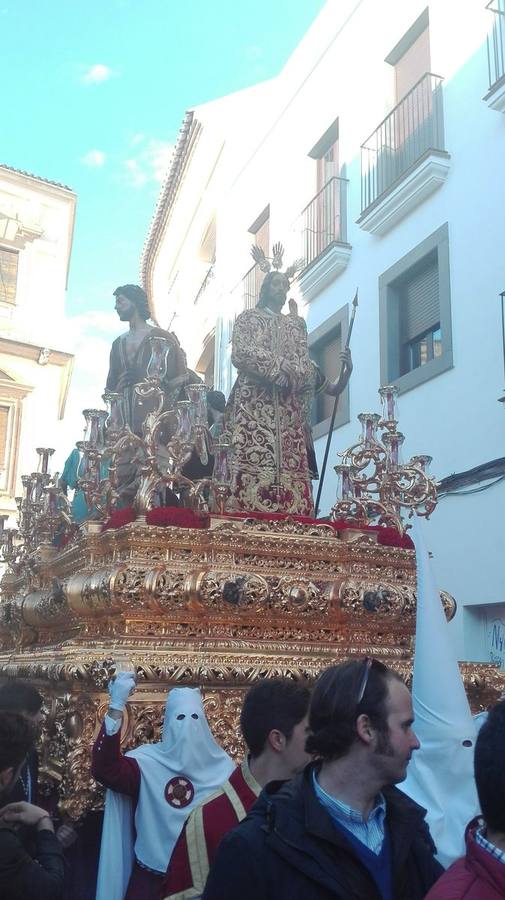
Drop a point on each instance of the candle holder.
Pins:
(374, 485)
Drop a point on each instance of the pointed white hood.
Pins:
(440, 774)
(177, 773)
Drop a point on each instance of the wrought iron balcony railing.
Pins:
(205, 283)
(324, 220)
(496, 43)
(251, 285)
(415, 126)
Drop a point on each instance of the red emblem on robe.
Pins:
(179, 792)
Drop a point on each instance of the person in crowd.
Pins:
(151, 790)
(273, 722)
(24, 876)
(480, 874)
(16, 696)
(341, 829)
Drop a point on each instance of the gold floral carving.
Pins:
(218, 608)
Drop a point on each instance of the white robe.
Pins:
(188, 751)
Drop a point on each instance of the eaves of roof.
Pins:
(188, 133)
(58, 184)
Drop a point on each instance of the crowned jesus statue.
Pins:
(267, 418)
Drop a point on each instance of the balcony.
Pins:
(404, 160)
(251, 285)
(324, 237)
(205, 283)
(495, 97)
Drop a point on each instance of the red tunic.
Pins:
(122, 773)
(196, 847)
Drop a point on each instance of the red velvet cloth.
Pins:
(111, 768)
(186, 518)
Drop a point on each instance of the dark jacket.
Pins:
(289, 849)
(25, 878)
(477, 876)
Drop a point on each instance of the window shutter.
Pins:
(414, 63)
(8, 275)
(420, 303)
(328, 359)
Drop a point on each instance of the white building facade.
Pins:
(36, 230)
(376, 156)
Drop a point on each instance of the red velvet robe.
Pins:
(196, 847)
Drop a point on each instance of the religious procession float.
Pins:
(191, 552)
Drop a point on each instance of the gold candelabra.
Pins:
(374, 485)
(156, 458)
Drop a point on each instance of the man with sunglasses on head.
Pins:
(341, 829)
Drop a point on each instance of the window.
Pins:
(415, 314)
(261, 231)
(208, 374)
(327, 356)
(322, 225)
(207, 252)
(8, 275)
(411, 60)
(325, 344)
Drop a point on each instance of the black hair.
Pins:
(265, 287)
(490, 769)
(217, 400)
(20, 697)
(16, 739)
(334, 706)
(138, 296)
(272, 703)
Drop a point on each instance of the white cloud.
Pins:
(151, 163)
(94, 158)
(97, 74)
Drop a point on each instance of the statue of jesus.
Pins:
(267, 415)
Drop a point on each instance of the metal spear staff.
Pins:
(334, 413)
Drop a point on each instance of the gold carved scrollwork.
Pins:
(377, 598)
(164, 589)
(93, 593)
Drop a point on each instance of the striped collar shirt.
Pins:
(483, 842)
(369, 831)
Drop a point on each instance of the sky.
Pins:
(94, 95)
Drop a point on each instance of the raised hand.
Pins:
(120, 689)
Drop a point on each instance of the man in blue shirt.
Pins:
(341, 829)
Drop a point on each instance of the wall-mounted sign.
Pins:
(495, 637)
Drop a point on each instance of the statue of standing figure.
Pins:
(131, 352)
(267, 418)
(129, 361)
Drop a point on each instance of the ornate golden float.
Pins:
(218, 606)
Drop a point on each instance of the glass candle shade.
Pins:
(369, 423)
(197, 395)
(222, 460)
(115, 421)
(388, 395)
(344, 490)
(43, 463)
(157, 365)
